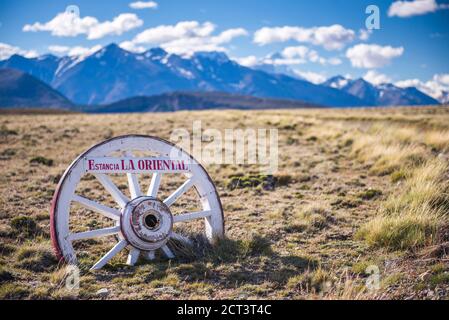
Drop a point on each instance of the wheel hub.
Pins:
(146, 223)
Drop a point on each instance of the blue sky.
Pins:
(411, 45)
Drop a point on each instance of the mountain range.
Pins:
(177, 101)
(112, 74)
(19, 89)
(380, 95)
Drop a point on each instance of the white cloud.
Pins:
(59, 49)
(249, 61)
(167, 33)
(313, 77)
(334, 61)
(7, 51)
(68, 25)
(376, 78)
(404, 9)
(83, 51)
(294, 52)
(76, 51)
(443, 79)
(228, 35)
(364, 34)
(437, 87)
(143, 5)
(187, 37)
(290, 56)
(334, 37)
(372, 55)
(302, 54)
(132, 47)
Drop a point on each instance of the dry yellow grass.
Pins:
(417, 214)
(334, 167)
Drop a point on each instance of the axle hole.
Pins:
(151, 221)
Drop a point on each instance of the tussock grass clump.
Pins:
(228, 250)
(42, 160)
(7, 153)
(223, 250)
(311, 281)
(416, 216)
(231, 250)
(171, 280)
(267, 182)
(24, 225)
(389, 148)
(389, 158)
(398, 176)
(6, 249)
(4, 131)
(311, 218)
(410, 230)
(370, 194)
(36, 257)
(427, 186)
(439, 279)
(438, 140)
(13, 291)
(5, 275)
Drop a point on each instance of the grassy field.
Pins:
(357, 191)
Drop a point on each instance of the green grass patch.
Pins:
(409, 231)
(24, 225)
(36, 257)
(13, 291)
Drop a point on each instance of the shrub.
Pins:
(42, 160)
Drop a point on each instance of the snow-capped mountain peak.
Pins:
(112, 73)
(385, 94)
(337, 82)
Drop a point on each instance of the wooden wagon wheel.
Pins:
(143, 222)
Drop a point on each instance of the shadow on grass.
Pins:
(227, 263)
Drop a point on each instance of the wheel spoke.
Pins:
(154, 185)
(191, 216)
(118, 196)
(133, 181)
(133, 256)
(95, 206)
(168, 252)
(94, 234)
(150, 255)
(181, 238)
(179, 192)
(134, 187)
(111, 254)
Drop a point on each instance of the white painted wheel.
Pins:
(141, 221)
